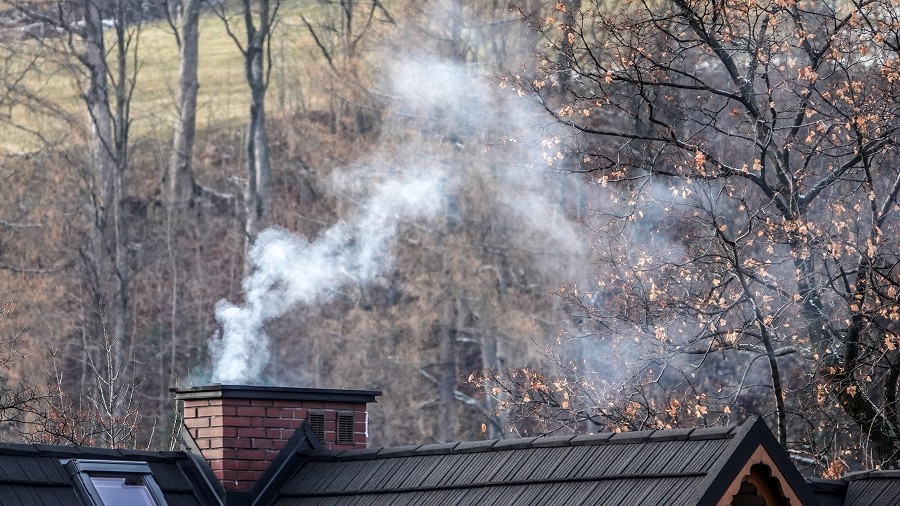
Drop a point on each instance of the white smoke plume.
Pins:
(289, 270)
(457, 115)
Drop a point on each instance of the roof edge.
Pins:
(872, 474)
(220, 391)
(289, 460)
(200, 466)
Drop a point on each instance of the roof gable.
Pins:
(754, 443)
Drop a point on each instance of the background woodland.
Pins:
(652, 215)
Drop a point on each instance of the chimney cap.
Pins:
(220, 391)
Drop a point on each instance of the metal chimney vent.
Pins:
(317, 424)
(345, 428)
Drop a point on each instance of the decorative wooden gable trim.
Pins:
(754, 444)
(764, 477)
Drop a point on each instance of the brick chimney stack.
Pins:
(240, 429)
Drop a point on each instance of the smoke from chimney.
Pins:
(288, 270)
(442, 135)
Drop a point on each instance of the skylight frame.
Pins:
(83, 470)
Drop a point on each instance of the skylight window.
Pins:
(114, 483)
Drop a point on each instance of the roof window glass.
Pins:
(122, 490)
(114, 483)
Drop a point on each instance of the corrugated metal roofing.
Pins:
(646, 468)
(33, 470)
(680, 467)
(31, 494)
(873, 488)
(34, 474)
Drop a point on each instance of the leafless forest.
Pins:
(514, 218)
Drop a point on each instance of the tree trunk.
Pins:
(121, 349)
(101, 173)
(566, 53)
(878, 425)
(258, 169)
(256, 68)
(491, 362)
(447, 378)
(179, 180)
(107, 256)
(100, 116)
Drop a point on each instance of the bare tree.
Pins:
(106, 414)
(181, 187)
(258, 19)
(752, 152)
(179, 178)
(16, 396)
(106, 69)
(341, 32)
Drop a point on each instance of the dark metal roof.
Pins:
(34, 474)
(688, 467)
(681, 467)
(864, 488)
(873, 488)
(828, 492)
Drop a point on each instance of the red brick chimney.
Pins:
(240, 429)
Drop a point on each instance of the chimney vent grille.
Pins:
(345, 428)
(317, 424)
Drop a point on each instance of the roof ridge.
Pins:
(871, 473)
(491, 445)
(84, 451)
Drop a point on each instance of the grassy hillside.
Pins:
(223, 101)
